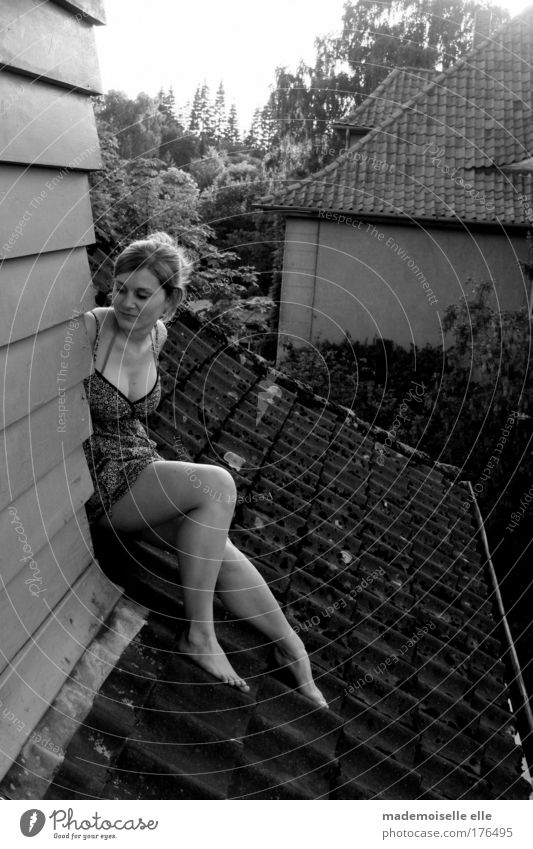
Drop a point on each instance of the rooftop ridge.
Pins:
(307, 392)
(309, 191)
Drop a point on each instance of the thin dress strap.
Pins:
(97, 337)
(155, 348)
(109, 348)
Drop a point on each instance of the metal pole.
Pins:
(515, 663)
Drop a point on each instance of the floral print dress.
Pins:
(119, 448)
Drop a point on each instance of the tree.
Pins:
(195, 117)
(232, 135)
(219, 114)
(136, 123)
(167, 104)
(253, 139)
(376, 36)
(228, 208)
(267, 129)
(177, 147)
(206, 169)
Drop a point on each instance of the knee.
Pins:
(219, 485)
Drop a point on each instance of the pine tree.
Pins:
(170, 103)
(232, 135)
(206, 113)
(253, 139)
(195, 117)
(220, 117)
(266, 128)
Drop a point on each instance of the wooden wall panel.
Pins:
(47, 41)
(92, 9)
(40, 667)
(39, 292)
(42, 367)
(33, 445)
(40, 512)
(46, 125)
(53, 596)
(40, 583)
(42, 209)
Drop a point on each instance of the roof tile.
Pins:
(465, 125)
(362, 558)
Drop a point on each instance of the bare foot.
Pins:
(209, 655)
(296, 659)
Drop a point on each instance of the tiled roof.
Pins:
(440, 155)
(397, 88)
(379, 568)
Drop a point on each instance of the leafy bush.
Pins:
(469, 389)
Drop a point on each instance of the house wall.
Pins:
(298, 282)
(53, 596)
(362, 281)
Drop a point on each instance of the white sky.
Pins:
(182, 42)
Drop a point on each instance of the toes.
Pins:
(234, 681)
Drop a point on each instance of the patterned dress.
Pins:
(119, 448)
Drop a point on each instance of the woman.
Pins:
(138, 492)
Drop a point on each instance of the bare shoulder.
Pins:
(162, 333)
(90, 321)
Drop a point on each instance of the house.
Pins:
(53, 596)
(434, 190)
(380, 567)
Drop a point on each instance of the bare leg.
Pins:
(200, 555)
(200, 535)
(246, 594)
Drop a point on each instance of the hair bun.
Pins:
(162, 238)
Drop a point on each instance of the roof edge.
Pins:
(365, 140)
(306, 393)
(399, 218)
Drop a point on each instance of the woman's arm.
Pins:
(162, 334)
(90, 325)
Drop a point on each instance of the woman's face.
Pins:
(138, 300)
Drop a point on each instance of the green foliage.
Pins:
(227, 205)
(208, 168)
(131, 197)
(210, 122)
(135, 123)
(469, 390)
(376, 36)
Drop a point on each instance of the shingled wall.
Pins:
(379, 569)
(52, 596)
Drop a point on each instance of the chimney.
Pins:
(482, 20)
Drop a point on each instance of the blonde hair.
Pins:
(167, 261)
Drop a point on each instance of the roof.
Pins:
(378, 566)
(442, 155)
(398, 87)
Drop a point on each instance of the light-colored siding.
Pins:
(43, 209)
(297, 285)
(93, 10)
(37, 292)
(48, 42)
(49, 504)
(45, 125)
(36, 673)
(369, 279)
(53, 596)
(42, 366)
